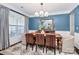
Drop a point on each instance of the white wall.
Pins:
(72, 23)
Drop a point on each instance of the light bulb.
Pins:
(36, 14)
(41, 13)
(46, 14)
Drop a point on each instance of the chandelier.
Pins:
(42, 12)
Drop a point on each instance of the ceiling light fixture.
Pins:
(42, 12)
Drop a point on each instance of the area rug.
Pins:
(20, 49)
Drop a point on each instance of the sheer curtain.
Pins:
(4, 27)
(26, 29)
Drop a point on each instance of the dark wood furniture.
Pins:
(59, 42)
(39, 40)
(46, 31)
(77, 50)
(51, 42)
(29, 39)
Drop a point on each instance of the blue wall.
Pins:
(62, 22)
(34, 23)
(76, 11)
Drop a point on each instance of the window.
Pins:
(16, 24)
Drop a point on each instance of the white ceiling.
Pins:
(52, 8)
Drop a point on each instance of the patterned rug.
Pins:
(20, 49)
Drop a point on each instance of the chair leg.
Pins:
(46, 49)
(32, 47)
(60, 50)
(26, 46)
(54, 51)
(43, 49)
(36, 48)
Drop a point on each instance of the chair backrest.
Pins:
(51, 40)
(40, 39)
(29, 38)
(49, 31)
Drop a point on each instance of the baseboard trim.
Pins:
(12, 45)
(15, 43)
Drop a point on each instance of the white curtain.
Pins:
(4, 27)
(26, 28)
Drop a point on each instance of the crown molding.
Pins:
(25, 13)
(14, 8)
(73, 8)
(61, 12)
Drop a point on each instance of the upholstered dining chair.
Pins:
(29, 39)
(51, 42)
(40, 40)
(49, 31)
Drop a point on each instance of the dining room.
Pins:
(39, 28)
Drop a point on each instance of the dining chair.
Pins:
(59, 43)
(40, 40)
(49, 31)
(51, 42)
(29, 39)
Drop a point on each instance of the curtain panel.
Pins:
(4, 27)
(26, 29)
